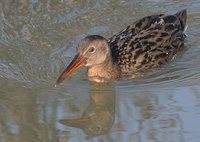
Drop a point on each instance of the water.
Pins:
(38, 39)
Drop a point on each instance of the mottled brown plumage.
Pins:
(147, 43)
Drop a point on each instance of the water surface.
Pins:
(38, 39)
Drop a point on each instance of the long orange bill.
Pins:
(76, 63)
(82, 123)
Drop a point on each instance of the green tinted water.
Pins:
(38, 39)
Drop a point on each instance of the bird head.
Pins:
(92, 50)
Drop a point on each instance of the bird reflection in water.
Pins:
(99, 116)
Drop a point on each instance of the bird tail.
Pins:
(182, 15)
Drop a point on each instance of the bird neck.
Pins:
(105, 71)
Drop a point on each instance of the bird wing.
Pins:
(148, 42)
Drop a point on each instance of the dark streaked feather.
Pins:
(148, 42)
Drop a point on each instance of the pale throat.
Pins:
(103, 72)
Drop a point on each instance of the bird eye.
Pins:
(92, 49)
(98, 128)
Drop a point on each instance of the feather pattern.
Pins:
(149, 42)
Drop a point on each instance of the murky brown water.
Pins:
(38, 39)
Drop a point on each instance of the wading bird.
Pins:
(146, 43)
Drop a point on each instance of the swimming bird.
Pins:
(146, 43)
